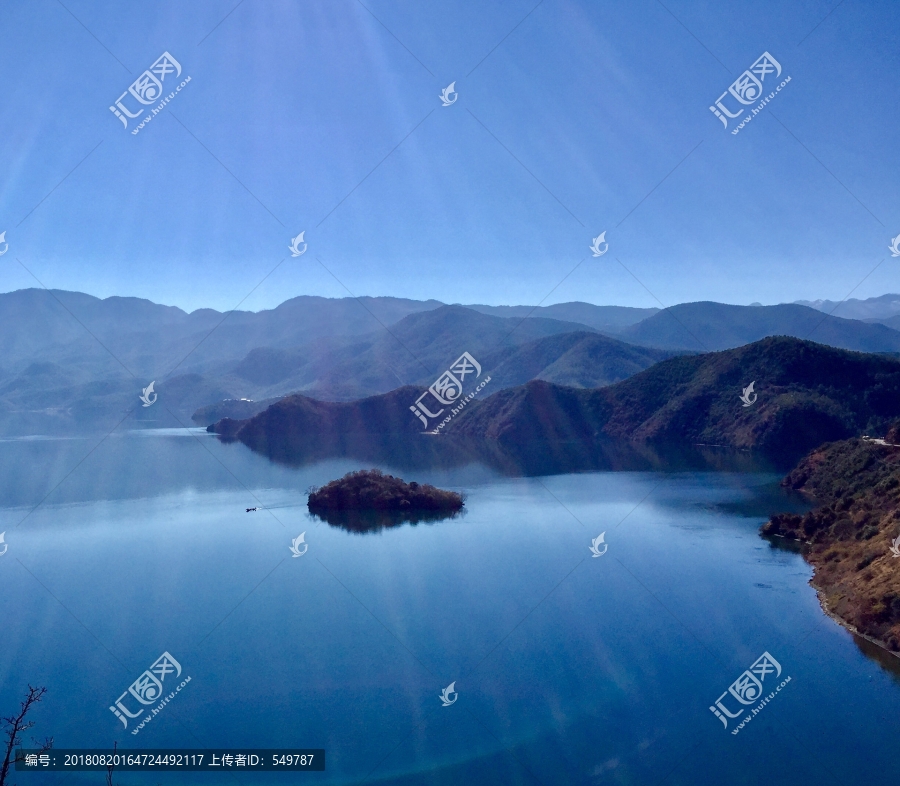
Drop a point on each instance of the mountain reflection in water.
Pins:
(424, 451)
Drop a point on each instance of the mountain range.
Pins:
(705, 327)
(874, 308)
(73, 360)
(804, 394)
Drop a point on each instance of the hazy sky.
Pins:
(584, 117)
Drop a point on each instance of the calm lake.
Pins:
(568, 668)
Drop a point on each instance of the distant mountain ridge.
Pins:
(807, 394)
(73, 358)
(576, 359)
(416, 349)
(874, 308)
(152, 338)
(602, 318)
(706, 327)
(420, 346)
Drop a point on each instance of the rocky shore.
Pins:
(852, 538)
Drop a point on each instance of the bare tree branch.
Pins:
(15, 725)
(110, 766)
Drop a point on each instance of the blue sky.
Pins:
(582, 119)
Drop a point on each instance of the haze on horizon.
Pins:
(820, 303)
(571, 120)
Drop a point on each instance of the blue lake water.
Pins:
(569, 669)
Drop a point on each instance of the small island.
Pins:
(371, 489)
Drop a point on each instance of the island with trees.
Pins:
(371, 489)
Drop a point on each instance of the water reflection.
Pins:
(888, 662)
(363, 521)
(528, 459)
(181, 496)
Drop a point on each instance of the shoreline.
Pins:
(803, 547)
(849, 537)
(848, 625)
